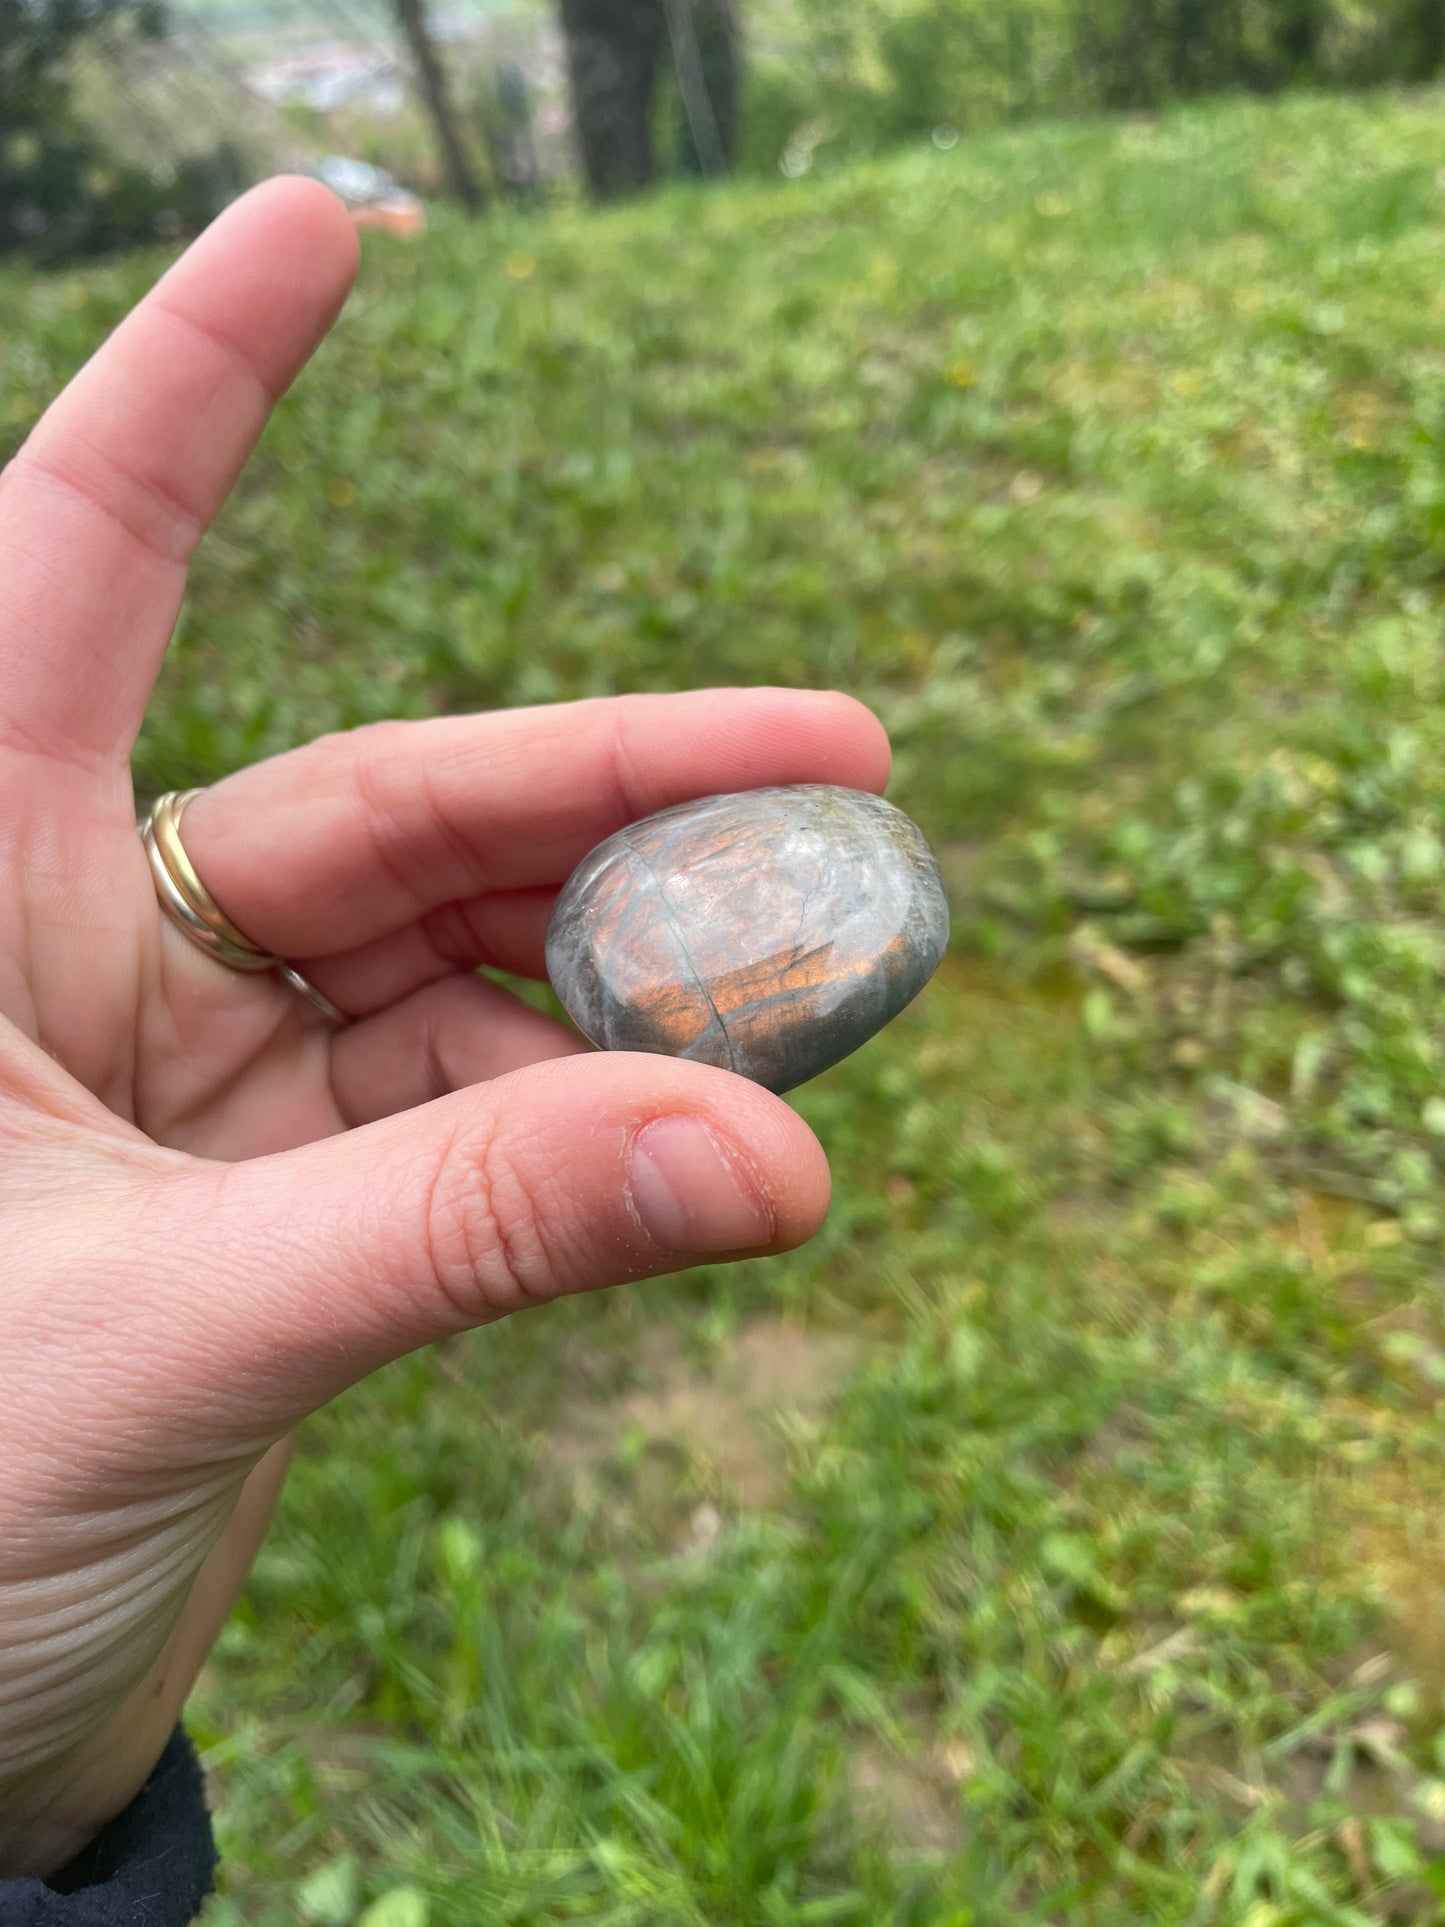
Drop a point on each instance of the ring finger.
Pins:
(504, 930)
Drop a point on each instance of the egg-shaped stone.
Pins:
(769, 933)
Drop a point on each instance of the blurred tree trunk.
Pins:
(504, 111)
(612, 54)
(614, 48)
(704, 35)
(1300, 28)
(1426, 54)
(1189, 46)
(1126, 58)
(431, 77)
(1089, 54)
(1020, 63)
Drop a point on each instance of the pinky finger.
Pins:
(461, 1030)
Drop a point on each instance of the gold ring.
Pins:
(189, 905)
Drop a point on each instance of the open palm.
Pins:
(200, 1245)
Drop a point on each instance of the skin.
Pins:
(218, 1212)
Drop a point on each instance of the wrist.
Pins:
(154, 1861)
(50, 1811)
(91, 1741)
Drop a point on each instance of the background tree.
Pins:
(1424, 39)
(503, 111)
(704, 37)
(615, 51)
(1299, 30)
(54, 186)
(612, 53)
(1130, 74)
(836, 79)
(461, 177)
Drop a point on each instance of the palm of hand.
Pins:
(201, 1246)
(164, 1041)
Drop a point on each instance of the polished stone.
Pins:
(770, 933)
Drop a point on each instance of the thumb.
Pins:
(328, 1261)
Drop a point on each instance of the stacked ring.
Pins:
(190, 906)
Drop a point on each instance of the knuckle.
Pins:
(487, 1244)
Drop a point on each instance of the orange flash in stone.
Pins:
(770, 933)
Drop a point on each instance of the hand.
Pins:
(216, 1212)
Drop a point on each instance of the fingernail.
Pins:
(691, 1194)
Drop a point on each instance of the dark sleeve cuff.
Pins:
(151, 1867)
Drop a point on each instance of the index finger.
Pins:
(103, 506)
(353, 837)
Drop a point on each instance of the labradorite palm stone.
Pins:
(769, 933)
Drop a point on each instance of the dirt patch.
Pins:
(1402, 1541)
(723, 1422)
(910, 1798)
(1051, 995)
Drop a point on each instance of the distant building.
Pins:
(333, 75)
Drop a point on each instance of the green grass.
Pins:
(1079, 1555)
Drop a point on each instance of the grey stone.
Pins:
(769, 933)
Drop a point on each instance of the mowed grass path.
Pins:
(1060, 1537)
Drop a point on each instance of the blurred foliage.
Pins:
(62, 189)
(1089, 1567)
(833, 79)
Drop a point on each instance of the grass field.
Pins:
(1062, 1537)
